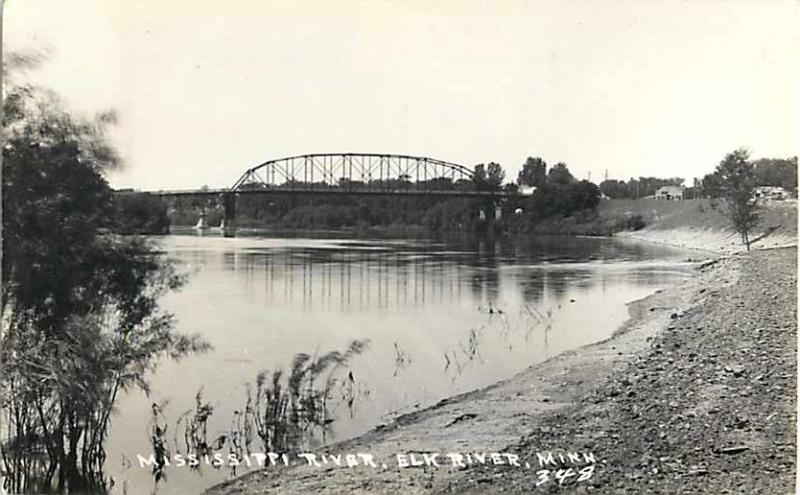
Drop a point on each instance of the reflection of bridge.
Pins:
(353, 276)
(350, 174)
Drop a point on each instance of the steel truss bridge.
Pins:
(353, 173)
(348, 174)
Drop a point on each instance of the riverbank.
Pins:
(708, 407)
(703, 224)
(713, 240)
(589, 398)
(388, 231)
(691, 224)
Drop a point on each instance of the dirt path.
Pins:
(641, 402)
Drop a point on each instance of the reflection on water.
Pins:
(441, 318)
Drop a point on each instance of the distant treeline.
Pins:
(639, 188)
(551, 194)
(137, 213)
(777, 172)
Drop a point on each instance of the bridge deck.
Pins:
(332, 191)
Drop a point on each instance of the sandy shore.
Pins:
(545, 398)
(709, 406)
(712, 240)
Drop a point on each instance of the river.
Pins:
(441, 318)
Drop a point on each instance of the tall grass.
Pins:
(292, 411)
(283, 412)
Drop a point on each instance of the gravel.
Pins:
(709, 407)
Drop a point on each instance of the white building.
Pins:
(670, 192)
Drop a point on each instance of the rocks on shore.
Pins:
(710, 408)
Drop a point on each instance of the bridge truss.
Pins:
(357, 173)
(347, 174)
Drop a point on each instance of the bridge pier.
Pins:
(229, 218)
(491, 210)
(490, 215)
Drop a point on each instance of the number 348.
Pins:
(562, 475)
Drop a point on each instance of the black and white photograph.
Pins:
(399, 247)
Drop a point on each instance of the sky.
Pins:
(206, 89)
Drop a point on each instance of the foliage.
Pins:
(559, 199)
(327, 216)
(339, 212)
(140, 214)
(560, 195)
(557, 203)
(615, 189)
(635, 222)
(81, 320)
(766, 172)
(287, 411)
(158, 441)
(489, 177)
(452, 214)
(735, 180)
(711, 186)
(533, 173)
(776, 172)
(636, 188)
(495, 175)
(559, 174)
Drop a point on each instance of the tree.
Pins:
(533, 173)
(584, 196)
(563, 195)
(495, 175)
(140, 213)
(560, 174)
(488, 178)
(616, 189)
(479, 177)
(81, 315)
(710, 186)
(735, 180)
(777, 172)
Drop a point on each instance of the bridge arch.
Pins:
(355, 172)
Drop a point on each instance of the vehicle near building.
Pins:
(775, 193)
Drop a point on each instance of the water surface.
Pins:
(441, 317)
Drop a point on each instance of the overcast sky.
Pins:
(207, 89)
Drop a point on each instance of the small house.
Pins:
(669, 192)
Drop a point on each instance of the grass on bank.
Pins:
(697, 214)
